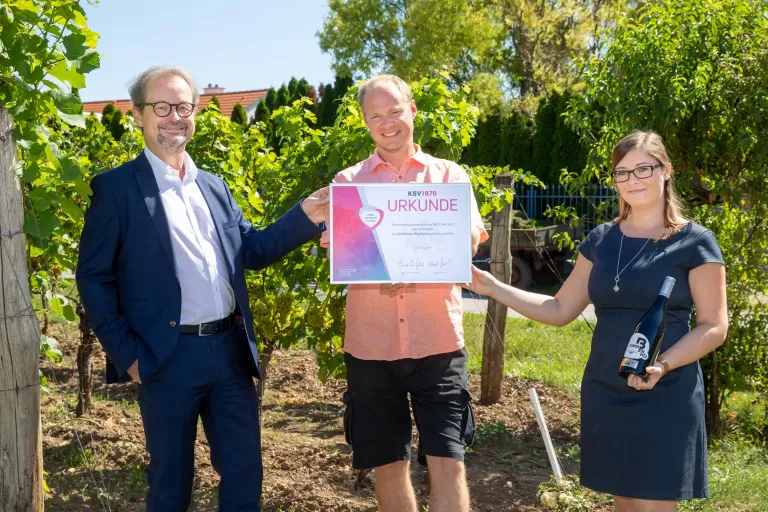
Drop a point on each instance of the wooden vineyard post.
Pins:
(21, 457)
(496, 317)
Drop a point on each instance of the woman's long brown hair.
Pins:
(651, 143)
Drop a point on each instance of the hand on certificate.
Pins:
(393, 287)
(482, 283)
(317, 206)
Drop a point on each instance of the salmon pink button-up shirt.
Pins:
(416, 321)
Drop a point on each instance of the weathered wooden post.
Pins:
(21, 452)
(496, 318)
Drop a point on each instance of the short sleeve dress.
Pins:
(643, 444)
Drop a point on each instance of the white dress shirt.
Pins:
(206, 293)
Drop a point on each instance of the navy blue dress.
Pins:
(660, 431)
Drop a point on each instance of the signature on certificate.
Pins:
(411, 263)
(441, 263)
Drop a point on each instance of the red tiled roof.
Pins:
(227, 101)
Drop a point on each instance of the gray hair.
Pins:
(372, 83)
(139, 88)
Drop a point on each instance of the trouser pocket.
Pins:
(468, 419)
(348, 412)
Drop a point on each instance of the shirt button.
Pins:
(178, 287)
(401, 320)
(401, 296)
(172, 323)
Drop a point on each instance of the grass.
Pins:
(738, 463)
(553, 355)
(738, 473)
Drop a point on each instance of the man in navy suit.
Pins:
(161, 277)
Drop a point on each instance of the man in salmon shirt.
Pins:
(406, 339)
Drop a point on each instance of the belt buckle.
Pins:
(200, 330)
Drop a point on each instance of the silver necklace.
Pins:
(616, 287)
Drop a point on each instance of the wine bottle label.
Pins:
(638, 347)
(629, 363)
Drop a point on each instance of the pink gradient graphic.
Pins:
(356, 256)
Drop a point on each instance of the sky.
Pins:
(238, 44)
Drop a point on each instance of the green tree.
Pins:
(330, 100)
(301, 90)
(116, 125)
(324, 113)
(292, 84)
(527, 46)
(107, 113)
(238, 115)
(283, 96)
(271, 99)
(406, 38)
(262, 113)
(696, 71)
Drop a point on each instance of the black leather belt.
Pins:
(209, 328)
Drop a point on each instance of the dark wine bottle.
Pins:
(646, 341)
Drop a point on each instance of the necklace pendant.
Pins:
(616, 288)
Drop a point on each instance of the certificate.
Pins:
(400, 233)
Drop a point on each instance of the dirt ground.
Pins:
(307, 463)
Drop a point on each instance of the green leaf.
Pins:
(64, 74)
(31, 173)
(71, 209)
(70, 171)
(74, 45)
(24, 5)
(83, 188)
(88, 62)
(68, 312)
(40, 227)
(77, 120)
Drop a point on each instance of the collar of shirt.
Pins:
(375, 160)
(164, 173)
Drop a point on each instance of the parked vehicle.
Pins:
(536, 258)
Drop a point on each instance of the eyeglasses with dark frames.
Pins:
(163, 108)
(643, 172)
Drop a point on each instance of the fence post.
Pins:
(496, 318)
(21, 450)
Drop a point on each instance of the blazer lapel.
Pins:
(216, 214)
(151, 193)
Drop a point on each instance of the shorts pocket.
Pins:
(467, 419)
(348, 412)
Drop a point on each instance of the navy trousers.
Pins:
(207, 377)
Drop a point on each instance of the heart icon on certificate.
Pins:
(371, 216)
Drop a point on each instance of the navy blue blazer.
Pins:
(126, 273)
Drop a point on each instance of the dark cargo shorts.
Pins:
(377, 418)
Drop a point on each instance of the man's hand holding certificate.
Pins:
(409, 233)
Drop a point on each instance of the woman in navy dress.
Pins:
(642, 441)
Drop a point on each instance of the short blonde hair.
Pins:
(372, 83)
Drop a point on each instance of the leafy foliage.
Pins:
(528, 47)
(542, 146)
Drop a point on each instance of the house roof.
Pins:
(227, 100)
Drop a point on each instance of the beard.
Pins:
(173, 143)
